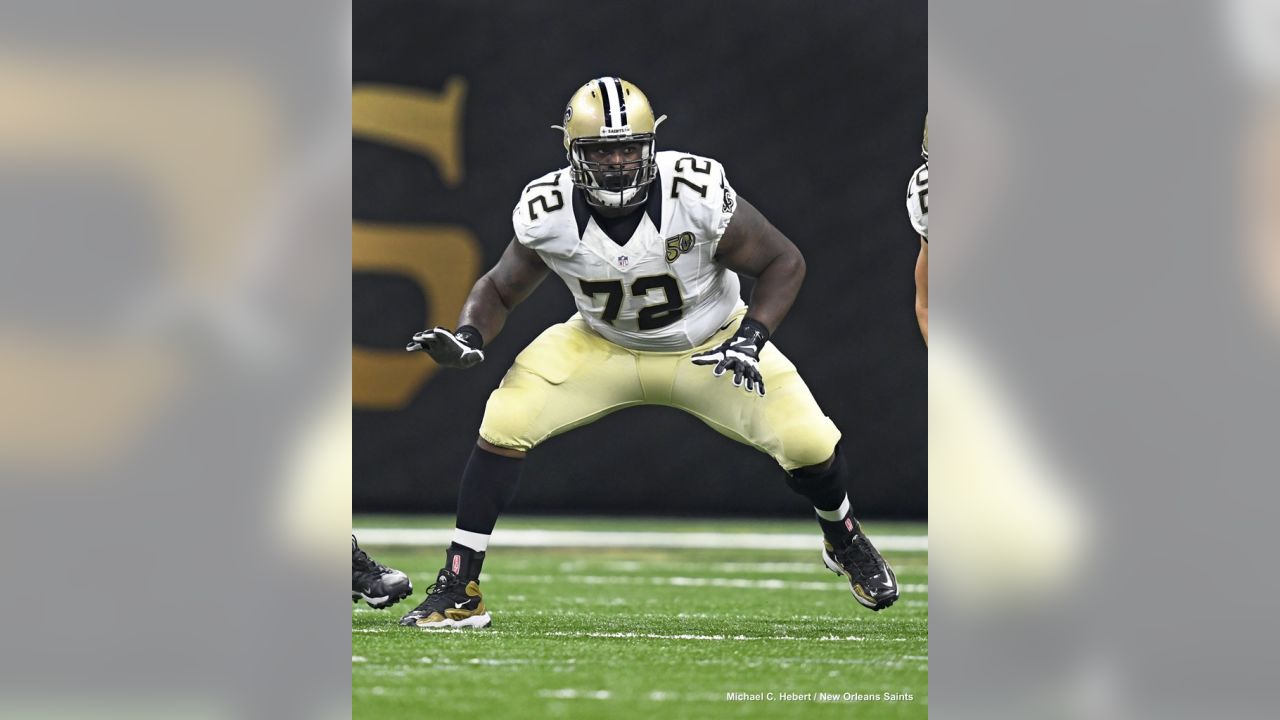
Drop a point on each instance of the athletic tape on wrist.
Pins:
(754, 329)
(470, 336)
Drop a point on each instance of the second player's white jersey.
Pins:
(661, 290)
(918, 200)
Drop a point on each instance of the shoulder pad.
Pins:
(544, 211)
(701, 189)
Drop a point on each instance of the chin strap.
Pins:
(641, 194)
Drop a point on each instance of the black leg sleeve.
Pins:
(488, 484)
(826, 489)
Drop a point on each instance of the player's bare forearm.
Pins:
(752, 246)
(922, 290)
(484, 309)
(776, 288)
(497, 292)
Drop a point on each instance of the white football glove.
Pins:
(741, 354)
(458, 350)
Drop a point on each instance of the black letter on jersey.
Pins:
(652, 317)
(922, 182)
(675, 185)
(546, 206)
(612, 288)
(694, 162)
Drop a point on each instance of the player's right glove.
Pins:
(459, 349)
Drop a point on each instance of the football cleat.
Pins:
(871, 580)
(450, 603)
(379, 585)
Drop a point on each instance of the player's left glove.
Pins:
(459, 349)
(741, 354)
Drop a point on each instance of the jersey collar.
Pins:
(652, 206)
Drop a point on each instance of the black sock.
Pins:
(463, 562)
(826, 490)
(488, 484)
(840, 532)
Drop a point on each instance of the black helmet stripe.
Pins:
(608, 107)
(622, 101)
(611, 95)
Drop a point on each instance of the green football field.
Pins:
(643, 632)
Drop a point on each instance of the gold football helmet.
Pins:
(610, 111)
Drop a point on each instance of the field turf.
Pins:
(643, 633)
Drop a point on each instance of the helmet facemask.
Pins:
(608, 112)
(609, 184)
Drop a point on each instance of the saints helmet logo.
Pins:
(678, 245)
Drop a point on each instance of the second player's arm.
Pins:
(752, 246)
(497, 292)
(922, 289)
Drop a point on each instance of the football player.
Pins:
(918, 211)
(650, 244)
(379, 585)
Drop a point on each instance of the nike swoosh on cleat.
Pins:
(464, 602)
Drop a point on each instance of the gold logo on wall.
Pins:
(422, 122)
(443, 260)
(200, 165)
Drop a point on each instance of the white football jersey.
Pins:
(661, 290)
(918, 200)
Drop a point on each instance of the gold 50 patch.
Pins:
(678, 245)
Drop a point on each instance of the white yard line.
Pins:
(660, 636)
(741, 583)
(633, 566)
(574, 694)
(665, 696)
(603, 538)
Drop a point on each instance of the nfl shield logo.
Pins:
(623, 261)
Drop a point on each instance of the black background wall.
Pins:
(814, 108)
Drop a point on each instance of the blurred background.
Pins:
(174, 328)
(816, 114)
(1104, 336)
(177, 299)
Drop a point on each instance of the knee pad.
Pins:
(507, 420)
(807, 480)
(806, 443)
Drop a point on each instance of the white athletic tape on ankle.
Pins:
(475, 541)
(835, 515)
